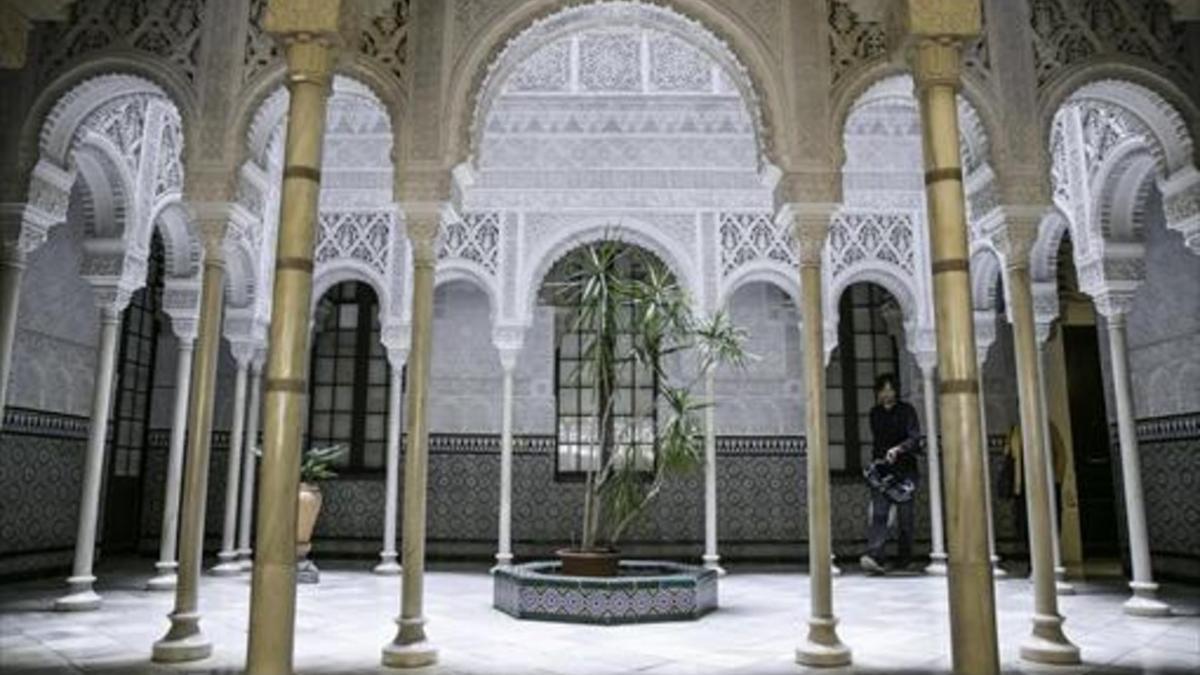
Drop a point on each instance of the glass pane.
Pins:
(343, 398)
(341, 427)
(345, 371)
(373, 455)
(837, 428)
(348, 316)
(833, 401)
(623, 402)
(837, 456)
(377, 371)
(322, 397)
(883, 346)
(566, 402)
(377, 399)
(865, 374)
(866, 400)
(376, 428)
(347, 340)
(863, 346)
(320, 425)
(326, 342)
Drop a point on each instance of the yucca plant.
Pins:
(629, 306)
(317, 463)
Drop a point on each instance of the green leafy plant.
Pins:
(317, 463)
(628, 305)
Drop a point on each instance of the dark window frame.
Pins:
(350, 379)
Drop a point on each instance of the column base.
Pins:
(998, 572)
(307, 572)
(81, 598)
(1064, 588)
(834, 570)
(229, 565)
(1144, 603)
(712, 562)
(246, 559)
(165, 579)
(1047, 644)
(822, 648)
(183, 642)
(937, 565)
(410, 648)
(387, 566)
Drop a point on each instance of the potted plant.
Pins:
(625, 305)
(316, 465)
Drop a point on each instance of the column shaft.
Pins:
(12, 268)
(987, 479)
(411, 648)
(165, 580)
(273, 584)
(711, 558)
(937, 554)
(822, 647)
(81, 595)
(1143, 601)
(184, 640)
(504, 554)
(229, 564)
(1062, 586)
(972, 599)
(1046, 644)
(388, 564)
(249, 464)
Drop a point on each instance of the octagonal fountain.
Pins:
(642, 592)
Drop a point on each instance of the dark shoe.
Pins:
(871, 567)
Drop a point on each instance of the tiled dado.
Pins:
(41, 469)
(1169, 448)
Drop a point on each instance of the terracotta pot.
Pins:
(602, 563)
(306, 517)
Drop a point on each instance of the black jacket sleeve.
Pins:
(912, 431)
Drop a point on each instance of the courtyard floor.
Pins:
(893, 624)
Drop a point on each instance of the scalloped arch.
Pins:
(479, 75)
(783, 277)
(894, 281)
(452, 270)
(330, 274)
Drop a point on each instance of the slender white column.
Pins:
(997, 570)
(711, 558)
(81, 595)
(12, 268)
(228, 556)
(937, 539)
(250, 461)
(165, 579)
(504, 555)
(1061, 585)
(1143, 602)
(387, 563)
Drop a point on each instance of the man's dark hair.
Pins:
(884, 380)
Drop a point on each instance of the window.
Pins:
(865, 350)
(135, 373)
(348, 403)
(634, 417)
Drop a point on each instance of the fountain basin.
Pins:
(644, 591)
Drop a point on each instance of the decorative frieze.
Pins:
(474, 238)
(30, 422)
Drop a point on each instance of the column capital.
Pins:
(1181, 205)
(1114, 305)
(926, 361)
(1018, 232)
(930, 34)
(509, 341)
(185, 329)
(809, 227)
(244, 351)
(210, 222)
(422, 222)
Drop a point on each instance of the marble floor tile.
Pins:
(890, 624)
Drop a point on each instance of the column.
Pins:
(937, 553)
(1144, 601)
(411, 648)
(822, 647)
(1061, 585)
(12, 268)
(935, 32)
(165, 579)
(997, 571)
(712, 560)
(81, 596)
(273, 582)
(250, 462)
(387, 563)
(184, 640)
(508, 362)
(228, 556)
(1046, 643)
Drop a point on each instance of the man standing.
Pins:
(897, 434)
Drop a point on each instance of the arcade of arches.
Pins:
(232, 229)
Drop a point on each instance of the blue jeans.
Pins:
(877, 529)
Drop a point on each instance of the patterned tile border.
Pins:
(661, 591)
(1180, 427)
(30, 422)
